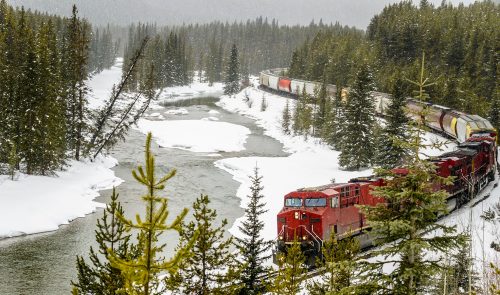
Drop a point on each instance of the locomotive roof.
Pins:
(460, 153)
(321, 188)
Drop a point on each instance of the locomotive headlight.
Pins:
(281, 238)
(304, 238)
(297, 215)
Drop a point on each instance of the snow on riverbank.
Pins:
(34, 204)
(201, 136)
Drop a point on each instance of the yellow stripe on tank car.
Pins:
(453, 126)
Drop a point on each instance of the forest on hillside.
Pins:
(461, 46)
(187, 49)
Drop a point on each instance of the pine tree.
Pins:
(321, 112)
(411, 208)
(75, 75)
(232, 80)
(339, 263)
(290, 270)
(253, 248)
(206, 270)
(285, 118)
(389, 151)
(141, 274)
(100, 277)
(357, 139)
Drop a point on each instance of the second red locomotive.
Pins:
(312, 215)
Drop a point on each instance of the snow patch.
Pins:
(197, 135)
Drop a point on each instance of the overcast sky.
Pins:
(348, 12)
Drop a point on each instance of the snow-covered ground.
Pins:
(202, 136)
(33, 204)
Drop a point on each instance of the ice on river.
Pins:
(197, 135)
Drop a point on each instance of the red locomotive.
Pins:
(313, 214)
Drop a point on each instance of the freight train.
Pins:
(313, 214)
(448, 122)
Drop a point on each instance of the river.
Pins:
(45, 263)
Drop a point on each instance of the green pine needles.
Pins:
(407, 222)
(100, 277)
(291, 268)
(141, 273)
(208, 268)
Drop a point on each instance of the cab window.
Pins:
(321, 202)
(293, 202)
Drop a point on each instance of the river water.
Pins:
(45, 263)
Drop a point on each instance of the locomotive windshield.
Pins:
(316, 202)
(293, 202)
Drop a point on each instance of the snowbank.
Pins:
(34, 204)
(197, 135)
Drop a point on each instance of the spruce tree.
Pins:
(141, 274)
(75, 76)
(410, 211)
(285, 118)
(100, 277)
(253, 249)
(232, 79)
(340, 264)
(357, 139)
(291, 267)
(320, 113)
(389, 151)
(206, 270)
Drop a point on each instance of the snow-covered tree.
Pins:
(286, 118)
(357, 141)
(232, 79)
(253, 248)
(390, 153)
